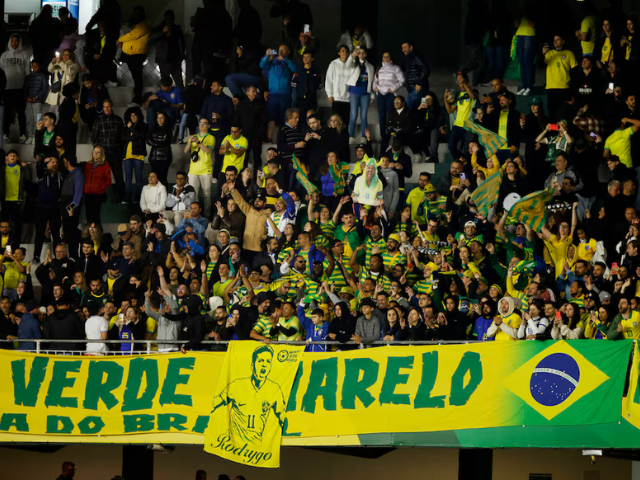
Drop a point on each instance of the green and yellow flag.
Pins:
(530, 209)
(248, 412)
(302, 175)
(491, 141)
(487, 192)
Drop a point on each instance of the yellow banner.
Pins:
(65, 395)
(631, 403)
(250, 402)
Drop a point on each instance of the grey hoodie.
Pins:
(15, 63)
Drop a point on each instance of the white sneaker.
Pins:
(521, 91)
(214, 180)
(29, 141)
(23, 139)
(5, 139)
(352, 141)
(111, 84)
(526, 92)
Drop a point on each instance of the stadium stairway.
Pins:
(113, 214)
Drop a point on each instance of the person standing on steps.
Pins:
(108, 131)
(416, 74)
(97, 178)
(135, 141)
(135, 46)
(336, 86)
(218, 110)
(49, 188)
(201, 146)
(170, 48)
(15, 64)
(13, 177)
(69, 206)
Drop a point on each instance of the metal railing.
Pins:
(43, 345)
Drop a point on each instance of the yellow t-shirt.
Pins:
(631, 326)
(606, 54)
(524, 30)
(130, 155)
(204, 165)
(502, 127)
(627, 54)
(619, 143)
(465, 106)
(588, 26)
(12, 275)
(12, 182)
(559, 65)
(293, 322)
(413, 200)
(230, 158)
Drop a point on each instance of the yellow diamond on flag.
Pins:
(555, 379)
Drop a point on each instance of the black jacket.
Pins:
(249, 62)
(344, 326)
(99, 94)
(169, 48)
(159, 139)
(94, 44)
(492, 122)
(252, 117)
(91, 266)
(416, 71)
(614, 39)
(193, 332)
(65, 325)
(25, 176)
(7, 327)
(136, 133)
(400, 123)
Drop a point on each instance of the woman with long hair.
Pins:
(569, 326)
(97, 179)
(135, 141)
(340, 132)
(101, 241)
(159, 139)
(391, 325)
(79, 289)
(64, 69)
(360, 91)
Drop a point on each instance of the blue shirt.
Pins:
(29, 328)
(362, 84)
(172, 96)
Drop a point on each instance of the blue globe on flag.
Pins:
(554, 379)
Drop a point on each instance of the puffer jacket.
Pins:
(67, 72)
(417, 71)
(388, 76)
(97, 178)
(153, 198)
(335, 83)
(160, 142)
(137, 40)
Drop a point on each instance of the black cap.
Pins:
(113, 266)
(262, 297)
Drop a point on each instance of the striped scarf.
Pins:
(303, 176)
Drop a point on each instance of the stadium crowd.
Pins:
(313, 243)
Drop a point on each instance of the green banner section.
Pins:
(494, 394)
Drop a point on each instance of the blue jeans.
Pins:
(361, 102)
(413, 97)
(132, 191)
(495, 61)
(385, 105)
(455, 137)
(526, 50)
(236, 81)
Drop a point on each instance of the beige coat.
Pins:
(255, 229)
(69, 70)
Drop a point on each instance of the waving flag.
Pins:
(487, 192)
(491, 141)
(530, 210)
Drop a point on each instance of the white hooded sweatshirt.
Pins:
(15, 63)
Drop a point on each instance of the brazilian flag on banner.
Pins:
(248, 411)
(491, 141)
(530, 209)
(487, 192)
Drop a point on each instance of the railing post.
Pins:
(38, 346)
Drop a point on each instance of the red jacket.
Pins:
(98, 179)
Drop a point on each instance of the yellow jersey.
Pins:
(619, 143)
(230, 158)
(631, 326)
(512, 321)
(559, 65)
(588, 28)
